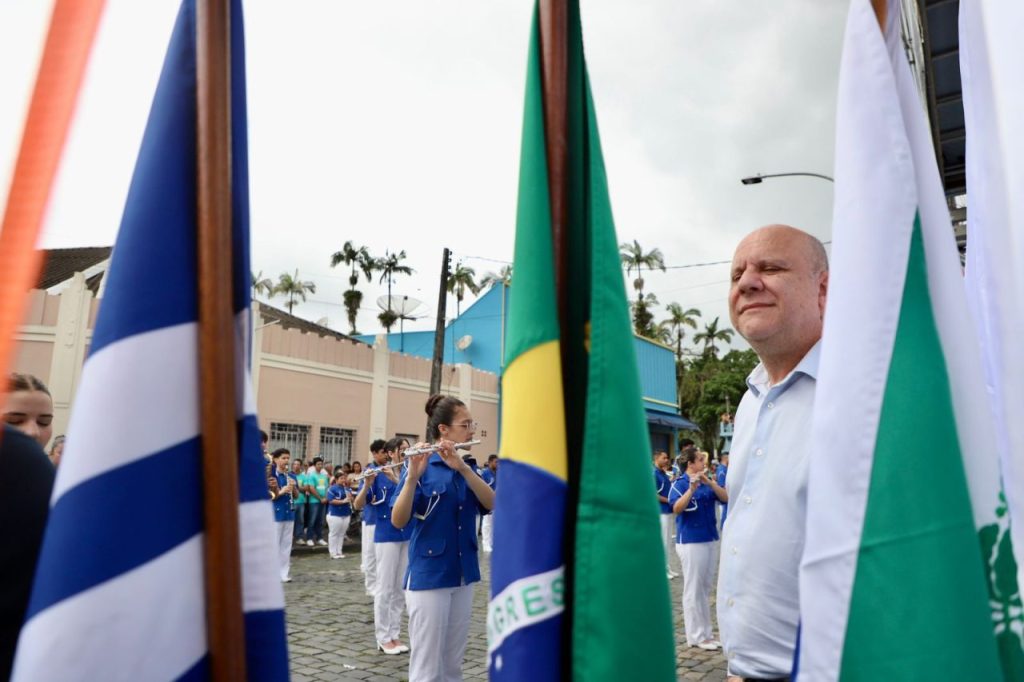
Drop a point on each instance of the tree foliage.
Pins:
(359, 259)
(710, 386)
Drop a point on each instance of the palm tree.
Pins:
(459, 281)
(643, 318)
(261, 284)
(358, 258)
(711, 334)
(633, 257)
(292, 286)
(677, 319)
(504, 276)
(389, 266)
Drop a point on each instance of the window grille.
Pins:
(336, 446)
(291, 436)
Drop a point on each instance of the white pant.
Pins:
(285, 530)
(368, 564)
(438, 629)
(337, 527)
(668, 537)
(392, 559)
(698, 560)
(487, 530)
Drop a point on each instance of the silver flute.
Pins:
(411, 452)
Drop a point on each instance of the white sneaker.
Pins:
(322, 543)
(389, 650)
(309, 543)
(709, 645)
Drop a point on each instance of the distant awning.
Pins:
(672, 421)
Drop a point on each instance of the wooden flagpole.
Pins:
(553, 16)
(217, 381)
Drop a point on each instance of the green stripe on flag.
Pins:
(919, 608)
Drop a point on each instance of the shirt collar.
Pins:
(758, 381)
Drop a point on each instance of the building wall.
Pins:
(301, 379)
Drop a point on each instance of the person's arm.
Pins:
(360, 500)
(720, 492)
(683, 502)
(661, 498)
(484, 493)
(401, 509)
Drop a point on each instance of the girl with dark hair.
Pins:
(27, 406)
(444, 494)
(693, 497)
(390, 546)
(339, 515)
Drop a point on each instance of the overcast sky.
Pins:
(398, 124)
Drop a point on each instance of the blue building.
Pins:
(477, 336)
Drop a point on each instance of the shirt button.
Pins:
(771, 405)
(460, 527)
(747, 499)
(759, 452)
(430, 551)
(731, 602)
(734, 551)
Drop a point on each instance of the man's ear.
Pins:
(822, 291)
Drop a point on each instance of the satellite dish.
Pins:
(403, 306)
(322, 322)
(464, 342)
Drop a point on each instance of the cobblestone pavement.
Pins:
(330, 626)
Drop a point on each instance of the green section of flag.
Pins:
(532, 315)
(621, 608)
(919, 608)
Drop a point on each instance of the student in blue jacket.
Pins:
(339, 515)
(693, 497)
(444, 494)
(283, 499)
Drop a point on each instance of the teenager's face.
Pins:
(31, 412)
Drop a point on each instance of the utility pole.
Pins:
(442, 299)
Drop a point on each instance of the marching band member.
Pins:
(284, 512)
(368, 561)
(490, 476)
(444, 494)
(339, 515)
(693, 498)
(391, 547)
(662, 486)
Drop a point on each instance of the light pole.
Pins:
(759, 178)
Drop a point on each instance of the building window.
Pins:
(336, 445)
(291, 436)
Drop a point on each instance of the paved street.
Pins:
(330, 626)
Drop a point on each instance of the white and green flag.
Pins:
(991, 57)
(908, 569)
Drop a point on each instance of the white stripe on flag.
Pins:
(118, 616)
(137, 397)
(261, 579)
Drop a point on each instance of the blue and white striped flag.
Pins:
(119, 592)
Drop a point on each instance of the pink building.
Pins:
(318, 391)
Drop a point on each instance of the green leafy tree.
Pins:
(389, 266)
(504, 276)
(292, 287)
(459, 281)
(711, 335)
(712, 386)
(262, 285)
(359, 259)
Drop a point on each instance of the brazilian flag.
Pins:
(578, 572)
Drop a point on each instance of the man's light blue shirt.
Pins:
(758, 582)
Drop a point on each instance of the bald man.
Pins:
(776, 303)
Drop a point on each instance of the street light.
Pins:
(759, 178)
